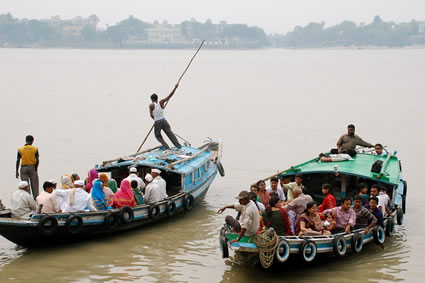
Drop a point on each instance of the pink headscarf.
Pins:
(124, 197)
(92, 176)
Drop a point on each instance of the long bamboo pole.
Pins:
(184, 72)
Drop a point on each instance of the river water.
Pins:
(272, 108)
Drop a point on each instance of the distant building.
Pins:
(164, 33)
(421, 29)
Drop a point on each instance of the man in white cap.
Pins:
(133, 176)
(249, 222)
(160, 181)
(79, 199)
(22, 203)
(152, 191)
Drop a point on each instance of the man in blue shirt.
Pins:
(372, 206)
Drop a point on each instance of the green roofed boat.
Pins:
(344, 177)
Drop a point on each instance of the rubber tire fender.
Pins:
(337, 241)
(188, 202)
(378, 235)
(123, 212)
(154, 211)
(111, 220)
(400, 216)
(74, 229)
(46, 230)
(303, 251)
(170, 208)
(356, 243)
(283, 244)
(403, 199)
(224, 246)
(389, 228)
(220, 169)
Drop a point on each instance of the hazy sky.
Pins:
(275, 16)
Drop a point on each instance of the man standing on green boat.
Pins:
(349, 141)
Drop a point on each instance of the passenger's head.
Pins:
(23, 185)
(273, 183)
(363, 188)
(53, 181)
(326, 188)
(104, 178)
(134, 184)
(273, 194)
(155, 172)
(154, 97)
(311, 208)
(79, 184)
(29, 139)
(357, 201)
(132, 170)
(299, 178)
(254, 189)
(253, 196)
(383, 189)
(243, 197)
(297, 191)
(345, 203)
(374, 190)
(275, 202)
(351, 129)
(378, 148)
(48, 187)
(148, 178)
(75, 177)
(261, 185)
(373, 203)
(329, 217)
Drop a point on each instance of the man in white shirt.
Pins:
(79, 199)
(133, 176)
(275, 188)
(382, 202)
(160, 181)
(22, 203)
(152, 191)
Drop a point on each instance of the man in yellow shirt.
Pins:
(30, 160)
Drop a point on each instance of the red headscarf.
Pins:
(124, 196)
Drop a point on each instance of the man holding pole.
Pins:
(157, 113)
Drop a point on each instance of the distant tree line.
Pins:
(85, 33)
(377, 33)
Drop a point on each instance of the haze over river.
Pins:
(272, 108)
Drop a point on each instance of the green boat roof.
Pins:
(360, 166)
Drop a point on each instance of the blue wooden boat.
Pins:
(344, 177)
(188, 172)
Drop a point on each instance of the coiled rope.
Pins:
(267, 242)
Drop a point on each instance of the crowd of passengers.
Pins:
(290, 210)
(95, 193)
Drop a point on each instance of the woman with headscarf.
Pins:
(62, 194)
(124, 196)
(113, 185)
(92, 176)
(98, 196)
(108, 192)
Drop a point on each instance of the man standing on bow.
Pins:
(156, 110)
(29, 167)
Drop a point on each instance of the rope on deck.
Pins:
(267, 242)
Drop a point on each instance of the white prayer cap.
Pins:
(79, 183)
(53, 181)
(156, 171)
(133, 169)
(148, 177)
(22, 184)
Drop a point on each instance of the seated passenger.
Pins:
(344, 215)
(134, 175)
(299, 203)
(363, 193)
(262, 193)
(106, 189)
(74, 177)
(276, 217)
(160, 181)
(92, 175)
(382, 201)
(379, 150)
(275, 188)
(113, 185)
(47, 199)
(152, 190)
(364, 218)
(61, 194)
(255, 189)
(253, 197)
(309, 223)
(373, 208)
(250, 218)
(329, 223)
(328, 202)
(288, 188)
(22, 204)
(138, 195)
(79, 199)
(99, 197)
(335, 157)
(124, 196)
